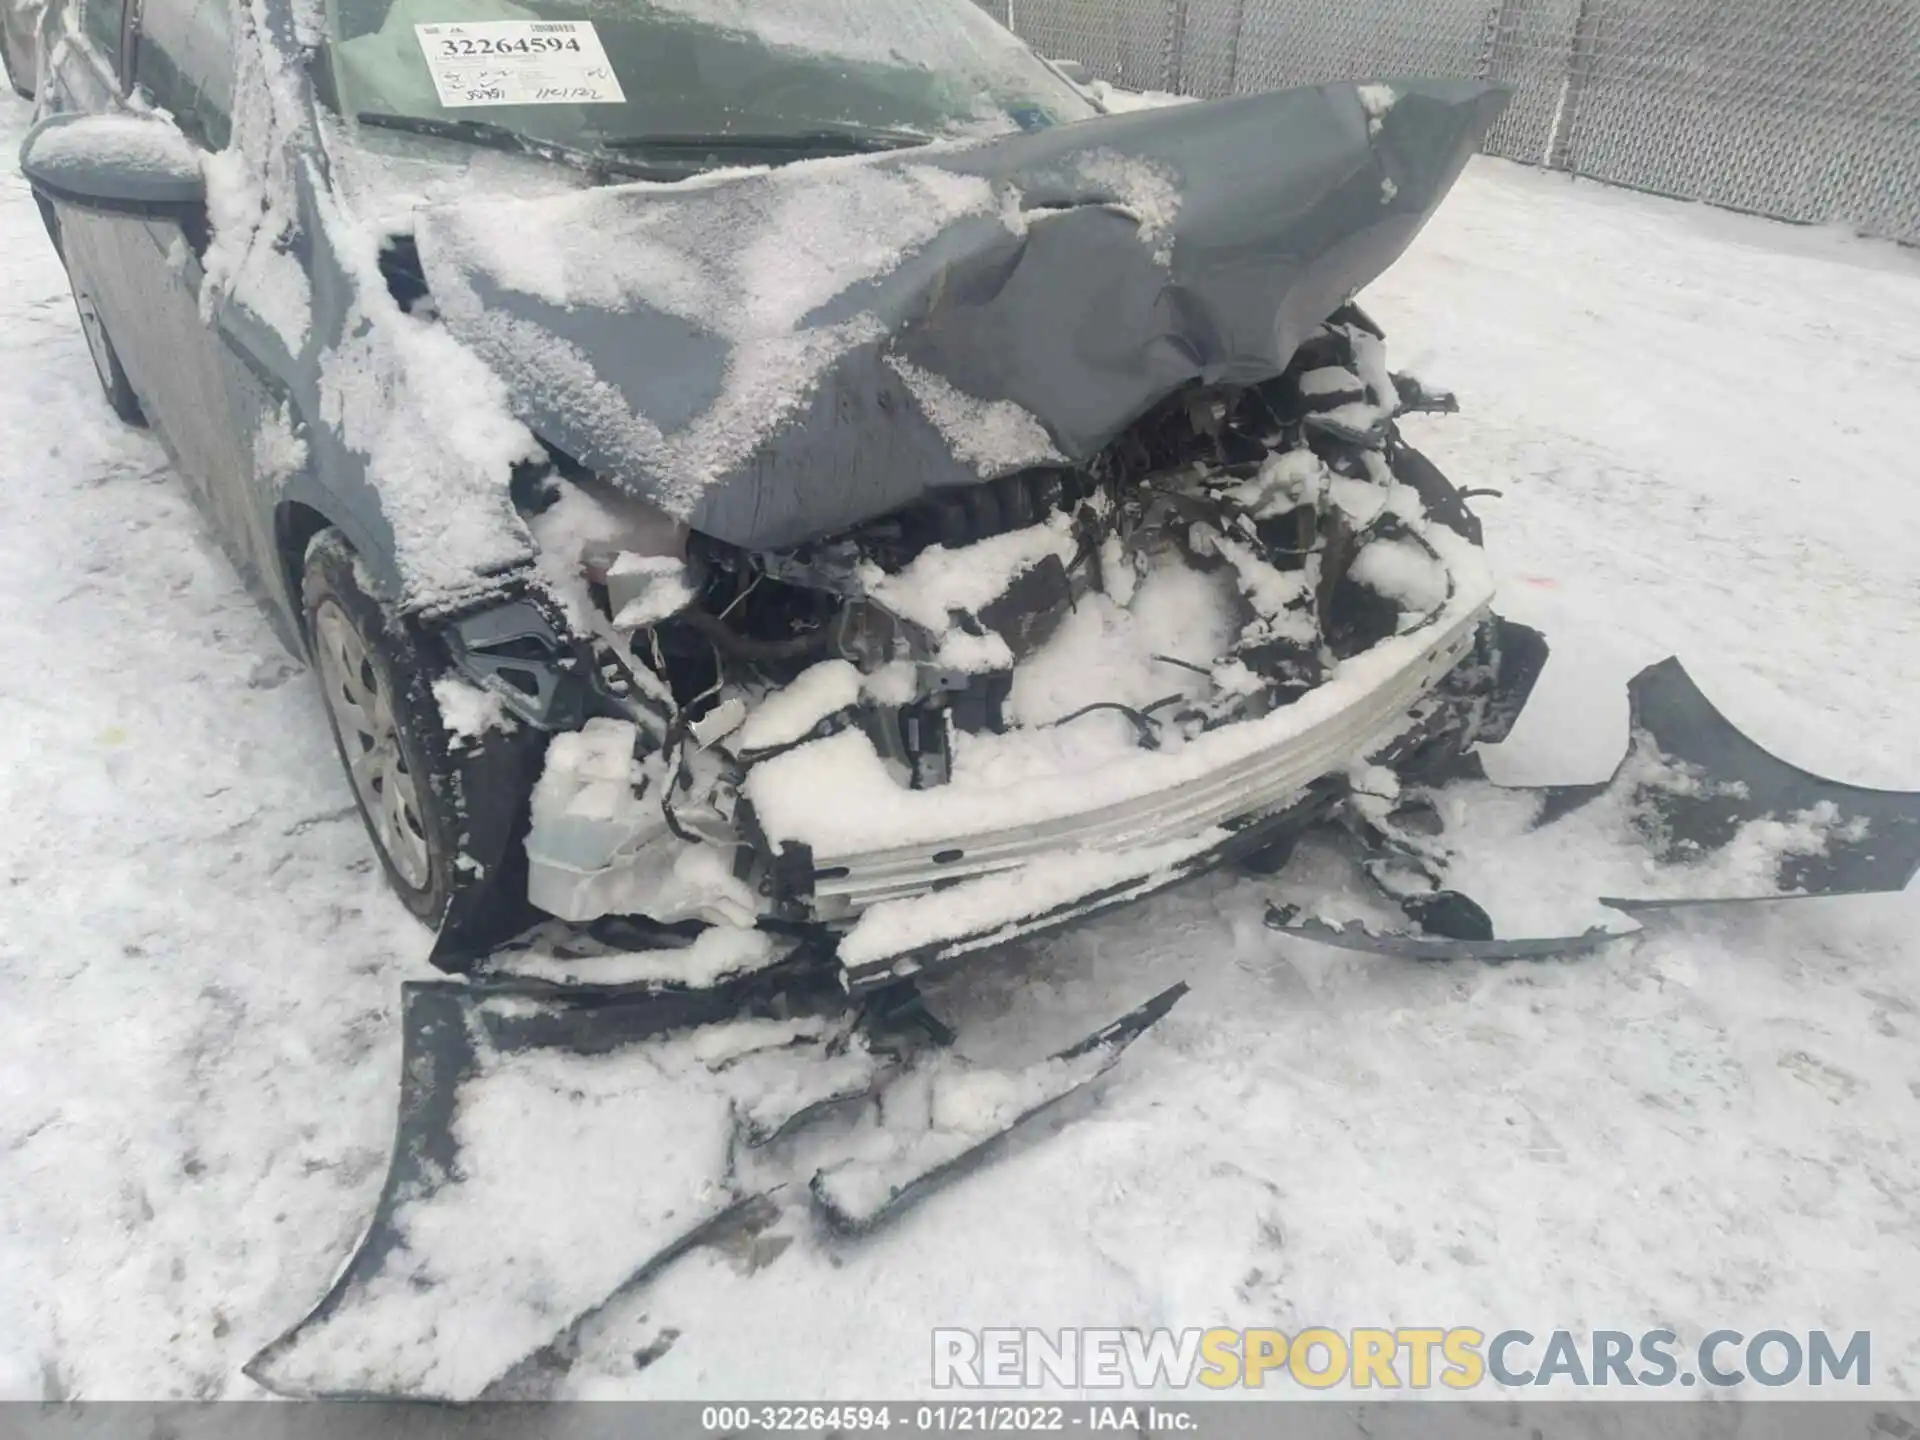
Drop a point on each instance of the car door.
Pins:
(147, 273)
(204, 399)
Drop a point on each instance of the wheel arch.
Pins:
(295, 524)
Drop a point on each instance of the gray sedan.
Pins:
(796, 470)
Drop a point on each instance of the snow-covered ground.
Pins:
(1704, 427)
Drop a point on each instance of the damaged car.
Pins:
(802, 472)
(798, 472)
(781, 498)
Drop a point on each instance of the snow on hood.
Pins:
(774, 355)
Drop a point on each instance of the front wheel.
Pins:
(106, 362)
(389, 731)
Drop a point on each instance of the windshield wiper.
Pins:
(500, 137)
(835, 140)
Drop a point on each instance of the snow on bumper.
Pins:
(949, 883)
(910, 875)
(935, 872)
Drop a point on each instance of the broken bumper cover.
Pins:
(1249, 785)
(915, 905)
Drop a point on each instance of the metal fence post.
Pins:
(1580, 49)
(1490, 37)
(1176, 45)
(1233, 47)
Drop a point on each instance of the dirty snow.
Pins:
(1709, 1124)
(712, 956)
(531, 1131)
(935, 1115)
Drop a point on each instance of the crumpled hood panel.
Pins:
(774, 355)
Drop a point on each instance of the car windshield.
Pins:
(787, 77)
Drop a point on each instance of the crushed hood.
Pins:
(774, 355)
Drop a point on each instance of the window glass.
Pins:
(615, 73)
(184, 61)
(100, 20)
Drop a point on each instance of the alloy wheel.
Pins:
(376, 763)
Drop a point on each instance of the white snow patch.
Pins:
(778, 1090)
(440, 444)
(1360, 501)
(1285, 481)
(1328, 380)
(838, 795)
(1116, 101)
(278, 449)
(751, 268)
(719, 1045)
(251, 203)
(1370, 358)
(1376, 100)
(1356, 415)
(790, 712)
(1283, 597)
(135, 142)
(468, 711)
(1136, 654)
(581, 523)
(1402, 571)
(1147, 190)
(996, 437)
(895, 683)
(941, 581)
(664, 583)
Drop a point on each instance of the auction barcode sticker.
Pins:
(518, 62)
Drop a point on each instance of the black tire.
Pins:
(106, 363)
(424, 871)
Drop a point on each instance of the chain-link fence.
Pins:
(1802, 109)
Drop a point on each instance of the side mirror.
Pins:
(121, 164)
(1072, 69)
